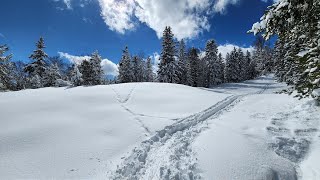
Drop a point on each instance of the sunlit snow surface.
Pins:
(158, 131)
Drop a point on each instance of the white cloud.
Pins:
(184, 16)
(227, 48)
(221, 5)
(117, 14)
(74, 59)
(2, 36)
(188, 18)
(68, 4)
(108, 66)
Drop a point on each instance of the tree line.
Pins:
(186, 66)
(177, 64)
(297, 50)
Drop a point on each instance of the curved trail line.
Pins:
(124, 101)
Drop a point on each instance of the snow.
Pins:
(159, 131)
(79, 132)
(303, 53)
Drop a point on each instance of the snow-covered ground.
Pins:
(159, 131)
(77, 133)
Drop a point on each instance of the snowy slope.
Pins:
(79, 132)
(252, 134)
(159, 131)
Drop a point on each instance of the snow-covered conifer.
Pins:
(182, 63)
(149, 71)
(38, 67)
(212, 64)
(296, 23)
(168, 71)
(52, 74)
(4, 68)
(125, 67)
(193, 69)
(97, 72)
(76, 76)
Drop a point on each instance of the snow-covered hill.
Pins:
(159, 131)
(75, 133)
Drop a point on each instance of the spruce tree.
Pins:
(4, 68)
(137, 69)
(221, 66)
(97, 72)
(52, 74)
(296, 23)
(193, 69)
(125, 67)
(246, 66)
(203, 70)
(37, 69)
(212, 64)
(182, 63)
(279, 61)
(168, 70)
(75, 76)
(232, 67)
(149, 71)
(87, 71)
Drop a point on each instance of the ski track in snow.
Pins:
(167, 154)
(124, 101)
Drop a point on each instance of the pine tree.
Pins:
(241, 65)
(125, 67)
(212, 64)
(52, 74)
(168, 70)
(193, 69)
(232, 67)
(221, 66)
(296, 23)
(4, 68)
(137, 69)
(149, 71)
(76, 76)
(87, 71)
(97, 72)
(182, 63)
(38, 67)
(279, 60)
(203, 70)
(246, 66)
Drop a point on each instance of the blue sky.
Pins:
(79, 27)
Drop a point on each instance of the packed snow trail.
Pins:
(167, 154)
